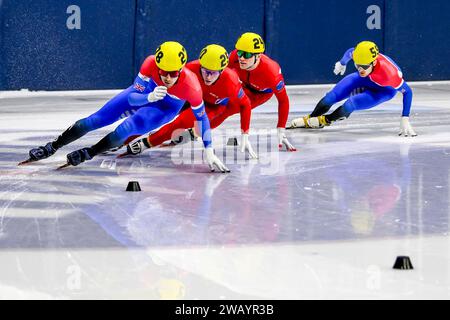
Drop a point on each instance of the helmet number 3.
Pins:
(257, 42)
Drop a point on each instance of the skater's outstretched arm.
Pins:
(407, 99)
(205, 129)
(348, 55)
(204, 125)
(341, 65)
(283, 112)
(405, 127)
(243, 106)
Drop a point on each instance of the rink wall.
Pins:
(57, 45)
(85, 44)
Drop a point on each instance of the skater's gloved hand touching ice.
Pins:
(214, 162)
(406, 128)
(283, 140)
(246, 146)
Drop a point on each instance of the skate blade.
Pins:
(28, 161)
(294, 128)
(65, 165)
(122, 155)
(302, 128)
(167, 145)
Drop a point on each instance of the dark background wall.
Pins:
(417, 35)
(40, 49)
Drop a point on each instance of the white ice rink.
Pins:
(324, 222)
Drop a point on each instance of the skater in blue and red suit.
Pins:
(222, 91)
(157, 96)
(378, 80)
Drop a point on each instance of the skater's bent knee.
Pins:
(349, 106)
(132, 126)
(329, 99)
(89, 123)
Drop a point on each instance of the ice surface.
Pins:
(324, 222)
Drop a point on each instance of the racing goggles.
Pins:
(172, 74)
(246, 55)
(365, 67)
(210, 73)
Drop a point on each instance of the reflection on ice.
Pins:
(353, 196)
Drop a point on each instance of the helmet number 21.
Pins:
(257, 42)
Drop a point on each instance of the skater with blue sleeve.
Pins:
(378, 80)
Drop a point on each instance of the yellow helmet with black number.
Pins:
(250, 42)
(214, 57)
(170, 56)
(365, 53)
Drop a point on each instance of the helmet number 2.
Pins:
(203, 53)
(223, 60)
(182, 57)
(257, 42)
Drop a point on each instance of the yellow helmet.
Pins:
(170, 56)
(214, 57)
(170, 289)
(250, 42)
(365, 53)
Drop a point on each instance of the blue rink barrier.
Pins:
(195, 24)
(308, 37)
(86, 44)
(58, 45)
(417, 36)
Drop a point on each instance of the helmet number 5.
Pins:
(374, 51)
